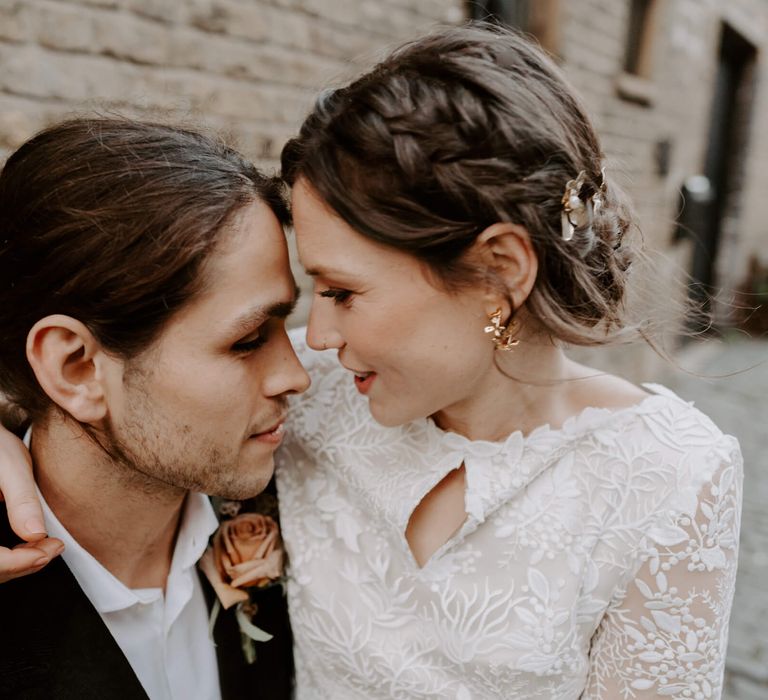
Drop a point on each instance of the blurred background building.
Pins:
(678, 90)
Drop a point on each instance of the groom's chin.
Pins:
(250, 481)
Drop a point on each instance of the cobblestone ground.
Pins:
(738, 405)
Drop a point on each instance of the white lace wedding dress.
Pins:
(597, 561)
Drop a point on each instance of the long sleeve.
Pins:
(665, 633)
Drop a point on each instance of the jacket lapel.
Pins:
(54, 644)
(270, 677)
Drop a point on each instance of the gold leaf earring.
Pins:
(503, 336)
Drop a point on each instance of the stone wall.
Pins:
(679, 91)
(247, 68)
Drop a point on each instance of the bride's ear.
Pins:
(69, 365)
(507, 249)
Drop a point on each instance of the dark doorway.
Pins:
(538, 18)
(514, 13)
(724, 164)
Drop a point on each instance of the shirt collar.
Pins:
(198, 523)
(105, 591)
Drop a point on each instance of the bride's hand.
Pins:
(17, 488)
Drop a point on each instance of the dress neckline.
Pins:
(496, 471)
(587, 418)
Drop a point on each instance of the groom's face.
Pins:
(203, 408)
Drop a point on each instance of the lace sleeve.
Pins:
(665, 633)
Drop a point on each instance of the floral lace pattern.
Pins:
(597, 560)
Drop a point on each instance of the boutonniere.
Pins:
(245, 555)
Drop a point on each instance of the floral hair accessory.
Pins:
(580, 213)
(246, 553)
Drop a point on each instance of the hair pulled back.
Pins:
(110, 221)
(456, 131)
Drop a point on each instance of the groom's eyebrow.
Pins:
(252, 318)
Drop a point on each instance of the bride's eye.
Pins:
(339, 296)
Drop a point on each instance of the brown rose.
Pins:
(247, 551)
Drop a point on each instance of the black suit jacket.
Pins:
(54, 645)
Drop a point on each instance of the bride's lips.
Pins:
(273, 435)
(364, 381)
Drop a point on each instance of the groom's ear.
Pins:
(71, 366)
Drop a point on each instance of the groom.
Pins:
(144, 285)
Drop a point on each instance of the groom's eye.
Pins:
(339, 296)
(249, 344)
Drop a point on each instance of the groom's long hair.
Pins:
(110, 221)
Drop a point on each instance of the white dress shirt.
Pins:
(164, 637)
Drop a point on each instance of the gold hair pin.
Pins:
(578, 213)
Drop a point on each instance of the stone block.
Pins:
(20, 119)
(248, 60)
(110, 4)
(14, 21)
(166, 11)
(33, 71)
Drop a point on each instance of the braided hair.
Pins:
(459, 130)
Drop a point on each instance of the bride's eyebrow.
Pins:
(317, 271)
(320, 271)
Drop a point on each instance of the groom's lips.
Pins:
(273, 435)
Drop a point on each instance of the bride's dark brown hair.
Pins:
(459, 130)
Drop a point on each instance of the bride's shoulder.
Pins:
(668, 412)
(652, 422)
(667, 457)
(662, 415)
(612, 392)
(671, 442)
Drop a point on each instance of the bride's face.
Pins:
(412, 348)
